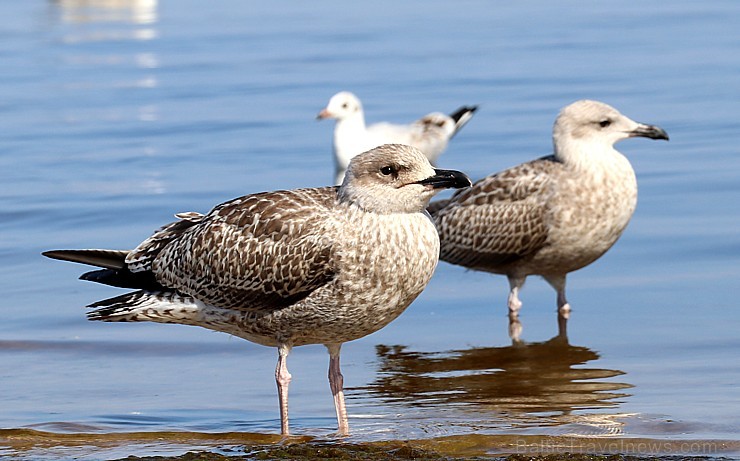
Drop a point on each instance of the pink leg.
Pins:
(558, 282)
(336, 383)
(282, 377)
(515, 285)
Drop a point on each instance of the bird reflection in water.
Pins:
(515, 327)
(544, 383)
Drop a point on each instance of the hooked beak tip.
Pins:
(447, 179)
(650, 131)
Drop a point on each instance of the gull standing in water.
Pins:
(430, 134)
(549, 216)
(288, 268)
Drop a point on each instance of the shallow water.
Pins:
(114, 117)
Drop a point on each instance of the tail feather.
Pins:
(166, 307)
(108, 259)
(145, 306)
(461, 117)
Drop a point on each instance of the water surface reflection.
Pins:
(86, 11)
(544, 383)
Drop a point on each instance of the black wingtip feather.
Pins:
(123, 279)
(108, 259)
(459, 113)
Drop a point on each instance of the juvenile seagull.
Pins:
(288, 268)
(553, 215)
(430, 134)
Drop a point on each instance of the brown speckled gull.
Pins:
(289, 268)
(549, 216)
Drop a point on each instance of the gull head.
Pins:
(597, 125)
(395, 178)
(438, 121)
(341, 106)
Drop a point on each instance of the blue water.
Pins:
(115, 116)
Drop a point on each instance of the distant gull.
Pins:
(549, 216)
(430, 134)
(288, 268)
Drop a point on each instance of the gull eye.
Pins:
(345, 105)
(387, 170)
(605, 123)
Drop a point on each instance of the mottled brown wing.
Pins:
(262, 251)
(497, 221)
(140, 258)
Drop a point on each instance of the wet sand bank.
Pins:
(188, 446)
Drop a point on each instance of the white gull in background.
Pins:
(288, 268)
(549, 216)
(430, 134)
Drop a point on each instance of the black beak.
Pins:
(649, 131)
(444, 179)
